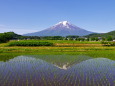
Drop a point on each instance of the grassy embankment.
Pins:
(93, 49)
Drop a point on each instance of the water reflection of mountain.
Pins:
(62, 61)
(28, 71)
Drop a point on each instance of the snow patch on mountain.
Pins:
(64, 23)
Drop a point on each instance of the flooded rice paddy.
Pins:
(57, 70)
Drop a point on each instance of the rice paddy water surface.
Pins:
(57, 70)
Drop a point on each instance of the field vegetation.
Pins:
(93, 49)
(29, 43)
(106, 43)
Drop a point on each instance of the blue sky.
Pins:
(25, 16)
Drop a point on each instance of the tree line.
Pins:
(5, 37)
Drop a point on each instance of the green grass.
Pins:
(58, 43)
(64, 41)
(80, 49)
(107, 52)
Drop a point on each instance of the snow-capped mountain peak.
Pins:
(64, 23)
(63, 28)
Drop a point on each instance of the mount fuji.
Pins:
(63, 28)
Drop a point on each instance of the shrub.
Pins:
(30, 43)
(106, 43)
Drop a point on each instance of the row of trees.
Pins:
(5, 37)
(42, 37)
(72, 37)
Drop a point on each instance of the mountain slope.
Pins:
(112, 33)
(61, 29)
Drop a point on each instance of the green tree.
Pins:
(109, 38)
(5, 37)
